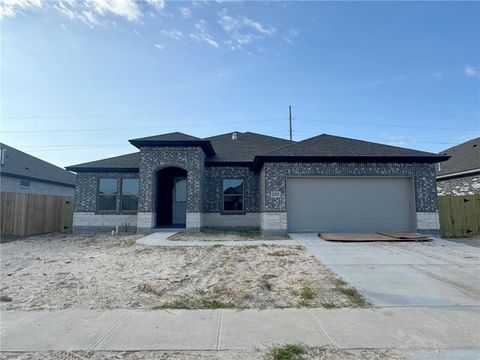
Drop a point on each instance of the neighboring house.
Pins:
(23, 173)
(325, 183)
(460, 175)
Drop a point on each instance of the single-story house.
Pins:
(460, 175)
(244, 179)
(24, 173)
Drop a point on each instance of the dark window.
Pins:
(129, 194)
(233, 195)
(24, 183)
(107, 194)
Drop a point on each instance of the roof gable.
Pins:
(174, 139)
(19, 164)
(173, 136)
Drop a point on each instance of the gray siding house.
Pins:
(460, 175)
(325, 183)
(23, 173)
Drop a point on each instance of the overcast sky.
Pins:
(78, 79)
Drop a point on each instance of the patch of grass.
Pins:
(354, 296)
(205, 302)
(287, 352)
(307, 293)
(213, 247)
(251, 233)
(339, 282)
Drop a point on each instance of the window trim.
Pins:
(103, 212)
(121, 211)
(233, 212)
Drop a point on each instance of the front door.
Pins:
(179, 201)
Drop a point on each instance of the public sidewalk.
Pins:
(404, 328)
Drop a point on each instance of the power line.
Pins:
(388, 113)
(154, 114)
(236, 122)
(388, 125)
(71, 116)
(140, 127)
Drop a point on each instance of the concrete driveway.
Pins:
(438, 273)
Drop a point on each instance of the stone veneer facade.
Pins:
(265, 191)
(86, 217)
(153, 159)
(459, 186)
(275, 174)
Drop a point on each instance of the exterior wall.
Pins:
(12, 184)
(85, 222)
(460, 186)
(213, 193)
(218, 220)
(86, 217)
(275, 184)
(428, 222)
(153, 159)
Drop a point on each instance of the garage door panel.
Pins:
(350, 204)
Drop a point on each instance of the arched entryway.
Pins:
(171, 197)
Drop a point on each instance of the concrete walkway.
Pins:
(161, 239)
(409, 329)
(436, 273)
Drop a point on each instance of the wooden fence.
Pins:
(29, 214)
(459, 215)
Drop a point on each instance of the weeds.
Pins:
(354, 297)
(202, 303)
(287, 352)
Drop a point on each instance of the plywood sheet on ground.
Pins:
(360, 237)
(406, 236)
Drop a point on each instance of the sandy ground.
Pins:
(318, 354)
(111, 271)
(218, 235)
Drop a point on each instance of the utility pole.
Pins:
(290, 119)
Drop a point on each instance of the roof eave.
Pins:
(101, 169)
(48, 181)
(458, 174)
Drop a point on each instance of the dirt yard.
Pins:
(310, 354)
(219, 235)
(105, 271)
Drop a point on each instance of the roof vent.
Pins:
(234, 136)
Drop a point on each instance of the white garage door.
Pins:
(350, 204)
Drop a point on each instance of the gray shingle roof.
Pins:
(329, 145)
(127, 162)
(464, 157)
(19, 164)
(244, 148)
(174, 136)
(250, 147)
